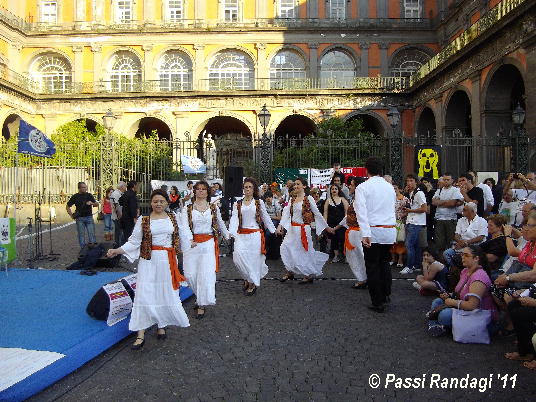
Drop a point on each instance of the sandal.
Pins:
(199, 314)
(161, 335)
(530, 365)
(305, 281)
(251, 291)
(516, 356)
(286, 277)
(359, 285)
(245, 286)
(138, 346)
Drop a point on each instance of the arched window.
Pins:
(407, 61)
(231, 69)
(287, 70)
(53, 72)
(125, 74)
(175, 72)
(337, 70)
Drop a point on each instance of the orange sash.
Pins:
(383, 226)
(304, 242)
(176, 277)
(201, 238)
(249, 231)
(347, 244)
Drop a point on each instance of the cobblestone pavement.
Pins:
(291, 342)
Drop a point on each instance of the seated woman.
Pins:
(495, 247)
(522, 272)
(434, 276)
(522, 309)
(474, 280)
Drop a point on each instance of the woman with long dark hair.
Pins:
(174, 199)
(335, 209)
(155, 241)
(201, 223)
(247, 225)
(297, 250)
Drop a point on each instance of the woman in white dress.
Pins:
(201, 222)
(247, 225)
(155, 241)
(353, 248)
(297, 250)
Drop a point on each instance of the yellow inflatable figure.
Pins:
(428, 159)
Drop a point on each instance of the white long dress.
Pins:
(247, 254)
(294, 256)
(156, 302)
(355, 257)
(200, 261)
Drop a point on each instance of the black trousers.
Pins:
(337, 240)
(128, 227)
(377, 258)
(524, 320)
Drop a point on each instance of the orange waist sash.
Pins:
(249, 231)
(201, 238)
(347, 244)
(176, 277)
(304, 242)
(383, 226)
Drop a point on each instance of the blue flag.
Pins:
(34, 142)
(191, 164)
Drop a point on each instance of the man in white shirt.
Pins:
(510, 208)
(375, 207)
(446, 199)
(116, 212)
(415, 223)
(524, 187)
(470, 229)
(488, 195)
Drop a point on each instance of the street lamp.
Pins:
(264, 118)
(265, 157)
(518, 115)
(393, 115)
(109, 120)
(519, 140)
(395, 145)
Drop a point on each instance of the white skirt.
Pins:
(249, 260)
(296, 259)
(200, 272)
(156, 302)
(355, 257)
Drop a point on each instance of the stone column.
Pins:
(148, 12)
(476, 111)
(78, 70)
(262, 74)
(260, 9)
(362, 11)
(50, 123)
(530, 93)
(313, 64)
(181, 127)
(384, 59)
(80, 13)
(148, 67)
(200, 82)
(98, 12)
(13, 56)
(312, 8)
(364, 46)
(381, 7)
(200, 12)
(98, 68)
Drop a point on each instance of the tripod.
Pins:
(39, 254)
(52, 255)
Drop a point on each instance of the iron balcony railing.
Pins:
(372, 84)
(209, 24)
(473, 32)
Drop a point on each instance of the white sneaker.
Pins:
(436, 330)
(406, 271)
(391, 263)
(417, 286)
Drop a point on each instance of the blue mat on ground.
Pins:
(45, 310)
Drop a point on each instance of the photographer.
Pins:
(524, 187)
(83, 214)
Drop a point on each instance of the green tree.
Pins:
(336, 140)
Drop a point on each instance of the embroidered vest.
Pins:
(258, 217)
(214, 218)
(351, 216)
(307, 214)
(147, 237)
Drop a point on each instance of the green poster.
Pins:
(7, 237)
(281, 175)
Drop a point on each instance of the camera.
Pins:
(516, 176)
